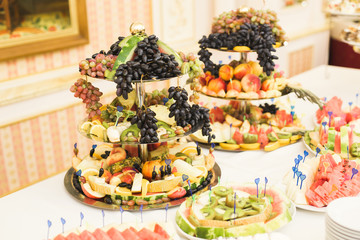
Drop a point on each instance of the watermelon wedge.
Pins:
(159, 230)
(101, 235)
(86, 235)
(149, 235)
(115, 234)
(60, 237)
(129, 234)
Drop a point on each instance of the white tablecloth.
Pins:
(25, 213)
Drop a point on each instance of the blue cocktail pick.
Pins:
(167, 161)
(78, 173)
(357, 99)
(234, 204)
(272, 100)
(185, 177)
(103, 217)
(220, 62)
(354, 171)
(305, 155)
(209, 193)
(347, 149)
(302, 178)
(119, 108)
(166, 210)
(297, 161)
(257, 180)
(294, 170)
(317, 151)
(325, 99)
(63, 224)
(300, 158)
(324, 124)
(81, 218)
(229, 57)
(350, 103)
(49, 223)
(213, 145)
(141, 210)
(165, 100)
(266, 181)
(330, 113)
(193, 198)
(298, 174)
(121, 212)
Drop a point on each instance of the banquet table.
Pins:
(25, 212)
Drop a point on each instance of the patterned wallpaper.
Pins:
(42, 146)
(107, 19)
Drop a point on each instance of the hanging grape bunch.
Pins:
(196, 116)
(90, 96)
(146, 122)
(97, 65)
(115, 48)
(149, 63)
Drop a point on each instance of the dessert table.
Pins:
(25, 212)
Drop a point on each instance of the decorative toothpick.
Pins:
(193, 198)
(103, 217)
(266, 181)
(76, 150)
(354, 171)
(220, 62)
(198, 149)
(229, 57)
(272, 100)
(81, 218)
(302, 178)
(121, 213)
(78, 173)
(305, 155)
(257, 180)
(292, 112)
(347, 149)
(63, 224)
(330, 113)
(334, 188)
(209, 194)
(298, 174)
(165, 100)
(350, 103)
(324, 126)
(168, 167)
(141, 211)
(317, 151)
(294, 170)
(300, 158)
(357, 99)
(234, 204)
(166, 211)
(297, 161)
(49, 223)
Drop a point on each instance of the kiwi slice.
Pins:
(219, 211)
(193, 220)
(283, 135)
(230, 214)
(222, 201)
(213, 202)
(355, 149)
(254, 198)
(250, 138)
(257, 207)
(240, 202)
(250, 212)
(208, 213)
(222, 191)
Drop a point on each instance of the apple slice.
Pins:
(91, 193)
(250, 83)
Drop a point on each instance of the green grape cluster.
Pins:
(231, 21)
(157, 97)
(191, 65)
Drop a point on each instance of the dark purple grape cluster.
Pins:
(270, 108)
(210, 66)
(146, 122)
(258, 37)
(148, 63)
(196, 116)
(261, 39)
(115, 48)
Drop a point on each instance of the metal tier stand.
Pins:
(140, 98)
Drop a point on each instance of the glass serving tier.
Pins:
(243, 99)
(87, 135)
(143, 81)
(72, 190)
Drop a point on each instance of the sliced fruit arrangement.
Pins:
(165, 114)
(241, 81)
(338, 131)
(319, 180)
(153, 230)
(265, 127)
(118, 176)
(233, 211)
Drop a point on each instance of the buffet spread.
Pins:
(147, 152)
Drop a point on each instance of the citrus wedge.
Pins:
(89, 172)
(97, 133)
(250, 146)
(229, 146)
(271, 146)
(85, 127)
(188, 150)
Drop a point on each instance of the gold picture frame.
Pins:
(76, 35)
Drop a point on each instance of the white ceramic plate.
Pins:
(308, 147)
(345, 212)
(311, 208)
(339, 230)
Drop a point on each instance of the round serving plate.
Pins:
(193, 130)
(242, 99)
(217, 147)
(292, 210)
(244, 51)
(339, 13)
(69, 185)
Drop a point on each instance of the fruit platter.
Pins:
(351, 35)
(343, 7)
(153, 230)
(267, 126)
(245, 30)
(234, 211)
(112, 176)
(313, 183)
(338, 130)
